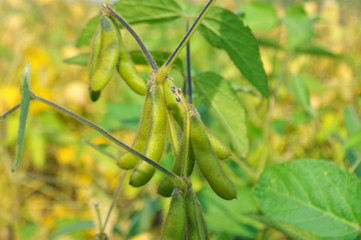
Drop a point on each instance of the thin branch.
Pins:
(5, 115)
(189, 77)
(115, 198)
(189, 34)
(109, 137)
(147, 54)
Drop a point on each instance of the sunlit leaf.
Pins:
(260, 15)
(134, 12)
(352, 121)
(286, 228)
(223, 29)
(223, 102)
(353, 141)
(26, 96)
(314, 195)
(81, 59)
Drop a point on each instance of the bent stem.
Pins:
(110, 137)
(188, 35)
(5, 115)
(147, 54)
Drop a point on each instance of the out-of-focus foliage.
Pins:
(310, 51)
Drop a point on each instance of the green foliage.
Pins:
(314, 195)
(224, 30)
(218, 96)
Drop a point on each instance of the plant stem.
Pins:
(115, 198)
(109, 137)
(10, 112)
(189, 77)
(135, 35)
(96, 206)
(355, 165)
(100, 150)
(189, 34)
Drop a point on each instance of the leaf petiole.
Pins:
(5, 115)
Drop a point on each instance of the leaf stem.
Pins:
(189, 77)
(189, 34)
(5, 115)
(147, 54)
(110, 137)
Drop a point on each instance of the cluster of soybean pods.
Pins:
(164, 105)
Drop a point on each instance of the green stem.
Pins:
(147, 54)
(189, 34)
(96, 206)
(9, 112)
(110, 137)
(355, 165)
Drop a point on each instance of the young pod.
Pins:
(194, 224)
(107, 56)
(174, 99)
(175, 224)
(129, 160)
(127, 71)
(156, 141)
(208, 163)
(93, 62)
(165, 187)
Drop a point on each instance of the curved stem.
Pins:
(109, 137)
(10, 112)
(135, 35)
(189, 34)
(189, 77)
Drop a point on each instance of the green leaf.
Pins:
(81, 59)
(286, 228)
(301, 94)
(299, 26)
(353, 141)
(352, 121)
(26, 96)
(260, 15)
(71, 227)
(233, 214)
(223, 102)
(134, 12)
(223, 29)
(315, 50)
(314, 195)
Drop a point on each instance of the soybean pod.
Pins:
(127, 71)
(208, 163)
(194, 224)
(165, 187)
(108, 55)
(174, 99)
(156, 142)
(93, 62)
(129, 160)
(175, 224)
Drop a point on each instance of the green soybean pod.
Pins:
(156, 142)
(175, 224)
(108, 56)
(93, 61)
(220, 148)
(129, 160)
(165, 187)
(194, 225)
(127, 71)
(203, 228)
(208, 163)
(173, 101)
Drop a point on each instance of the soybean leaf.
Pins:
(71, 226)
(26, 96)
(134, 12)
(301, 94)
(353, 141)
(314, 195)
(233, 213)
(352, 121)
(260, 15)
(223, 102)
(299, 26)
(223, 29)
(286, 228)
(315, 50)
(81, 59)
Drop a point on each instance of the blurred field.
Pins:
(61, 176)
